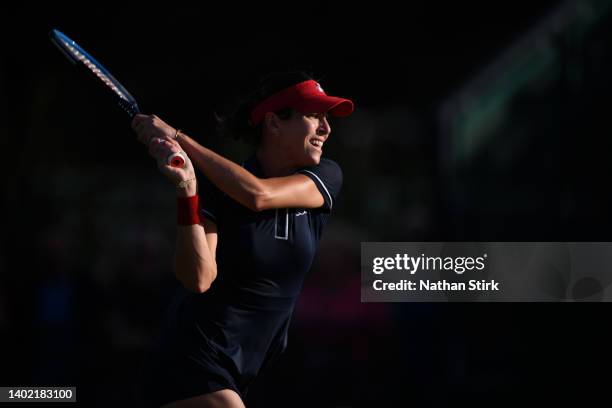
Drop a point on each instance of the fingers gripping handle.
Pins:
(176, 160)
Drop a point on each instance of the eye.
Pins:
(317, 115)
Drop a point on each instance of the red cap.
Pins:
(305, 97)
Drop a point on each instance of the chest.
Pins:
(271, 243)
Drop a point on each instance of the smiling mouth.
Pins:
(316, 143)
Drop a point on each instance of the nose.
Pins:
(324, 128)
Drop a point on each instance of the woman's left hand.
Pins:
(159, 138)
(148, 127)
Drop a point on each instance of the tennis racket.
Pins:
(78, 56)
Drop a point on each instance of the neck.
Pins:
(272, 163)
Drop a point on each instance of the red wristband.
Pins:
(187, 210)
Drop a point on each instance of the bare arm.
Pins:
(254, 193)
(195, 261)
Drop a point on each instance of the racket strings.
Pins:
(92, 67)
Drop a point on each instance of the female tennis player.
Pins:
(247, 236)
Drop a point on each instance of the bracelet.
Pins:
(183, 183)
(176, 134)
(187, 210)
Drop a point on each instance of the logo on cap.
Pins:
(319, 88)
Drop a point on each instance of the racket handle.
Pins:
(176, 160)
(131, 108)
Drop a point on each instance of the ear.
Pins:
(271, 122)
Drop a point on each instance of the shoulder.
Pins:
(327, 176)
(326, 168)
(330, 164)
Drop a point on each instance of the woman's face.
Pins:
(302, 137)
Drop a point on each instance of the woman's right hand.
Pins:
(161, 150)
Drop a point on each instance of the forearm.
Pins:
(194, 264)
(232, 179)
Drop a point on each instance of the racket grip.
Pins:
(176, 160)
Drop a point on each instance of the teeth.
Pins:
(317, 143)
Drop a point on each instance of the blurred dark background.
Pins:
(474, 122)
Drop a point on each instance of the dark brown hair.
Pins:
(236, 123)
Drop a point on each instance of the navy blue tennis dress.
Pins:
(222, 338)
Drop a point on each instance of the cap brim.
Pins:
(339, 107)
